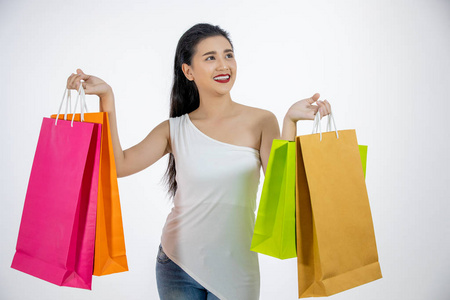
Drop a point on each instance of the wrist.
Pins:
(289, 130)
(107, 100)
(107, 92)
(288, 120)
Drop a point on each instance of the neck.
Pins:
(214, 106)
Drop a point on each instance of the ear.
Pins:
(187, 70)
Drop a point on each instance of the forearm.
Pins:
(107, 105)
(289, 130)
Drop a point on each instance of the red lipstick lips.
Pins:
(222, 78)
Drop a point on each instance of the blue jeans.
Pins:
(175, 284)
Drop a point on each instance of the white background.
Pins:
(383, 65)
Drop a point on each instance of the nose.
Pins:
(222, 64)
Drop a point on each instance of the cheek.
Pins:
(203, 72)
(233, 66)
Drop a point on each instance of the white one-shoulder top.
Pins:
(209, 230)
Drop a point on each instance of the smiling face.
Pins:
(213, 67)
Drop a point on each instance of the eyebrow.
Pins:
(214, 52)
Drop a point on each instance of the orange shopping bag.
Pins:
(336, 248)
(110, 255)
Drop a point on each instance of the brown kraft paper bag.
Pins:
(336, 248)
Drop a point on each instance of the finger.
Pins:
(328, 106)
(315, 109)
(83, 76)
(319, 103)
(325, 110)
(313, 99)
(75, 82)
(79, 81)
(71, 82)
(321, 108)
(86, 87)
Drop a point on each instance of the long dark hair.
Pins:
(184, 97)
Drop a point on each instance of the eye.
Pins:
(229, 55)
(210, 58)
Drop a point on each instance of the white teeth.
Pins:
(222, 77)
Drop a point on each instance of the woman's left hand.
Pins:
(305, 110)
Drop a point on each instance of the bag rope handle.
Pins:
(81, 95)
(68, 97)
(317, 128)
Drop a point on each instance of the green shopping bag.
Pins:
(363, 155)
(274, 232)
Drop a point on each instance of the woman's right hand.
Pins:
(92, 85)
(138, 157)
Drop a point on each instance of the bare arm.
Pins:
(270, 131)
(154, 146)
(301, 110)
(138, 157)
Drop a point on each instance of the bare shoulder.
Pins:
(164, 126)
(160, 135)
(260, 116)
(164, 129)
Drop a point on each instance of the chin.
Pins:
(226, 88)
(223, 92)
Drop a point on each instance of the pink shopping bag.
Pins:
(57, 231)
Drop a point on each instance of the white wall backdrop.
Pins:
(383, 65)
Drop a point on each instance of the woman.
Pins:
(216, 149)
